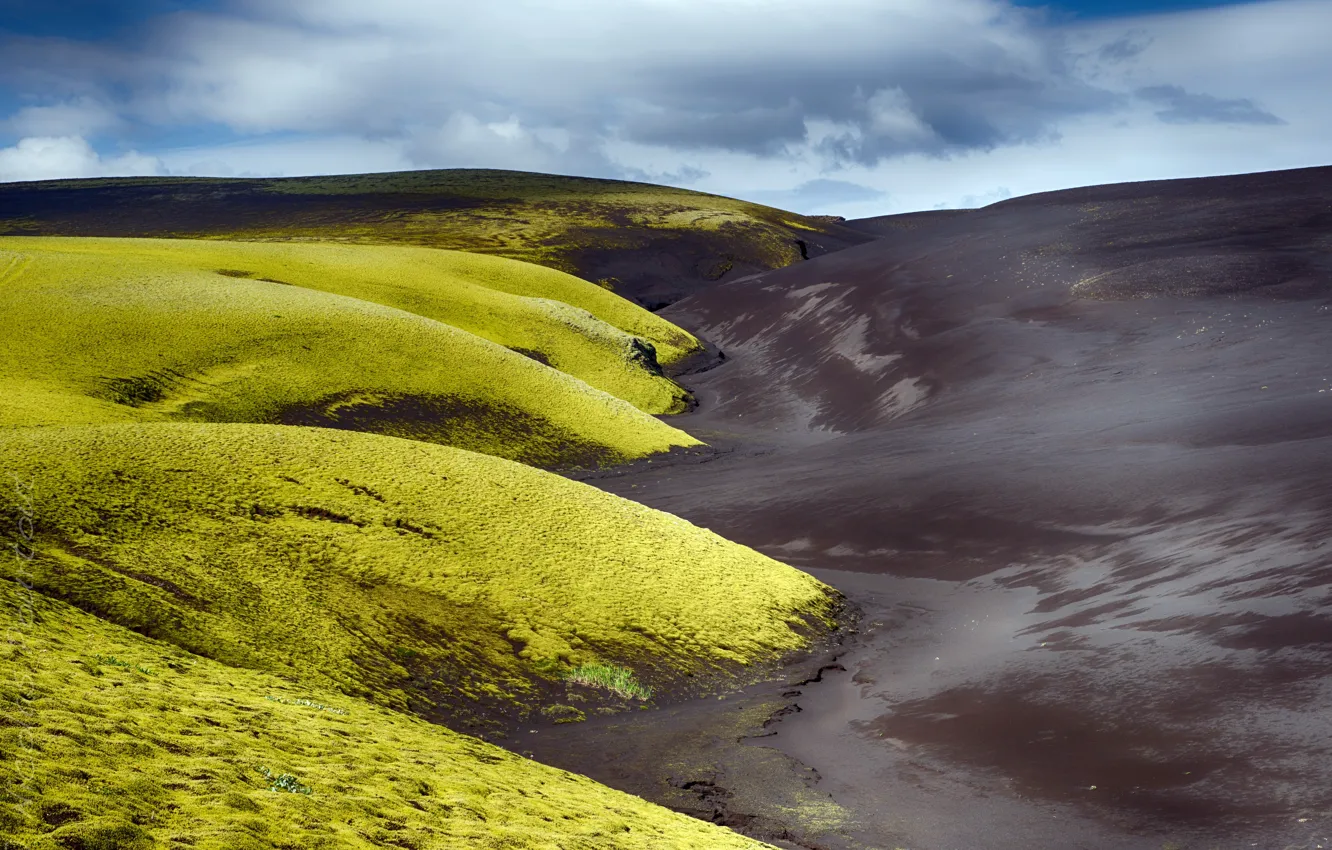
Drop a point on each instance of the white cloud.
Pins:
(892, 117)
(720, 74)
(289, 158)
(926, 102)
(45, 158)
(80, 117)
(467, 141)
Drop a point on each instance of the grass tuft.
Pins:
(612, 677)
(112, 661)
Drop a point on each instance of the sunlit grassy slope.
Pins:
(99, 332)
(111, 740)
(547, 218)
(427, 578)
(566, 322)
(635, 237)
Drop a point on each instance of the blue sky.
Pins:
(864, 108)
(108, 18)
(1100, 9)
(87, 18)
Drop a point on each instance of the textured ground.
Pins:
(1070, 453)
(167, 574)
(458, 586)
(112, 740)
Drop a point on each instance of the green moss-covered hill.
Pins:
(104, 331)
(652, 244)
(561, 320)
(112, 740)
(458, 586)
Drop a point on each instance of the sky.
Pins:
(846, 107)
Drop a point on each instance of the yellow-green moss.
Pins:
(93, 755)
(570, 324)
(538, 218)
(100, 331)
(556, 221)
(418, 575)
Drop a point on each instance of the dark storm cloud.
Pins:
(1182, 107)
(952, 116)
(621, 83)
(913, 99)
(870, 80)
(1123, 49)
(762, 131)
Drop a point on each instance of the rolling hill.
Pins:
(109, 739)
(652, 244)
(1072, 450)
(102, 331)
(458, 586)
(555, 318)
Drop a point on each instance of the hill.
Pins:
(109, 739)
(102, 331)
(555, 318)
(461, 587)
(1072, 450)
(652, 244)
(903, 223)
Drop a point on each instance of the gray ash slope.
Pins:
(1075, 452)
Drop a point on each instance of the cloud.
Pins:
(289, 157)
(685, 175)
(968, 202)
(465, 140)
(926, 101)
(81, 117)
(1124, 48)
(1182, 107)
(815, 196)
(46, 158)
(938, 76)
(766, 131)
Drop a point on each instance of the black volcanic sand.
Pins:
(888, 225)
(1071, 455)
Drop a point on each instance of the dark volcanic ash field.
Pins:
(1072, 456)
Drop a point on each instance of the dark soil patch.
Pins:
(456, 421)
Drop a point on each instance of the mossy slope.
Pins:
(652, 243)
(562, 320)
(166, 751)
(449, 583)
(99, 336)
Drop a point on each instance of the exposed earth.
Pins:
(1069, 454)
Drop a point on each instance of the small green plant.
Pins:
(405, 653)
(112, 661)
(284, 782)
(612, 677)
